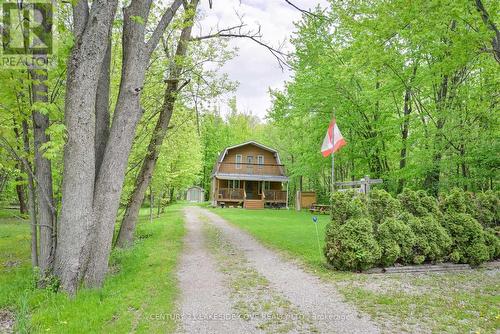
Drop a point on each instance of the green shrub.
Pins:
(352, 245)
(468, 242)
(492, 242)
(348, 205)
(455, 201)
(419, 203)
(487, 210)
(432, 242)
(381, 205)
(396, 240)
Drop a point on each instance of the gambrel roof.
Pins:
(223, 154)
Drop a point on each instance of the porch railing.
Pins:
(275, 195)
(251, 168)
(231, 194)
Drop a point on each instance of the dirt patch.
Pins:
(12, 264)
(7, 320)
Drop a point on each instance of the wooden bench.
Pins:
(319, 208)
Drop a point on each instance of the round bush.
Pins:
(382, 205)
(432, 242)
(396, 240)
(493, 243)
(352, 245)
(469, 245)
(348, 205)
(487, 208)
(418, 203)
(455, 201)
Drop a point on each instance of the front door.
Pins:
(250, 189)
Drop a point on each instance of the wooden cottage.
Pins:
(249, 175)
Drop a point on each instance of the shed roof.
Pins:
(196, 187)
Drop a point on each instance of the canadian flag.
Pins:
(333, 140)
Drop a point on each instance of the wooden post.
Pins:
(287, 195)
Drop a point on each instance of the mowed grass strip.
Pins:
(288, 230)
(138, 295)
(455, 302)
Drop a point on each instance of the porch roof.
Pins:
(251, 177)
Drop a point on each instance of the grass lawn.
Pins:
(466, 302)
(137, 296)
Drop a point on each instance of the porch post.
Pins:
(288, 182)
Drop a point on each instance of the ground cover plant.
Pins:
(138, 296)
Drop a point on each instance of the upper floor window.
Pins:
(239, 157)
(260, 160)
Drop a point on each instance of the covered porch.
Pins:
(253, 194)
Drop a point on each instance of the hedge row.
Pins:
(412, 228)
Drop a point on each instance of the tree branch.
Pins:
(495, 43)
(162, 25)
(80, 17)
(302, 10)
(255, 36)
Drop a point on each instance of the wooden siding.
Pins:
(270, 167)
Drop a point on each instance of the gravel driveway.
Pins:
(206, 291)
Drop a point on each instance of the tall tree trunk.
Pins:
(83, 70)
(20, 189)
(109, 181)
(404, 136)
(21, 194)
(43, 173)
(127, 228)
(31, 198)
(102, 109)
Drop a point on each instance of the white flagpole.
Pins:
(333, 157)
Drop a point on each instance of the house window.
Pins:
(234, 184)
(260, 161)
(249, 164)
(238, 161)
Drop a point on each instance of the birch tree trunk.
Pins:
(127, 227)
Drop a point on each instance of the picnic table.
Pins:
(319, 208)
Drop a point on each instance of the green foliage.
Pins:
(487, 208)
(361, 59)
(396, 240)
(352, 245)
(418, 203)
(348, 205)
(468, 238)
(492, 241)
(455, 201)
(382, 205)
(432, 242)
